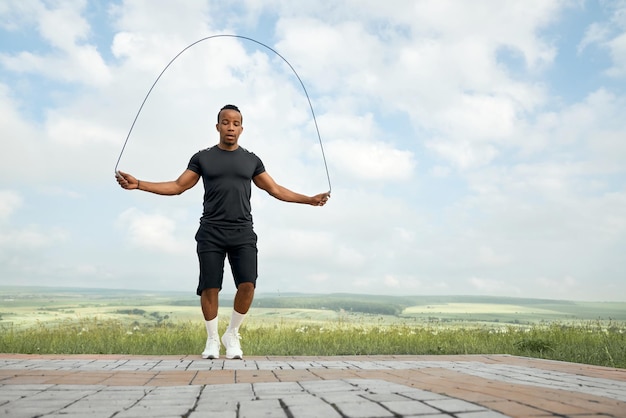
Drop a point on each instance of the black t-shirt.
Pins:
(227, 177)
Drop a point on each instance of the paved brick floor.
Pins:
(294, 387)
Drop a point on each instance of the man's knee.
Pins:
(210, 291)
(246, 287)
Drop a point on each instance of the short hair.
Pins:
(229, 107)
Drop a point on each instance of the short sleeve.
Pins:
(260, 168)
(194, 164)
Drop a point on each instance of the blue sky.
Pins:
(474, 148)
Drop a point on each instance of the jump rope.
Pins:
(319, 137)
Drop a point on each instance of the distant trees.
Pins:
(133, 311)
(333, 304)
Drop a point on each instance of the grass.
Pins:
(93, 321)
(592, 342)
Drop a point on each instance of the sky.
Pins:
(473, 148)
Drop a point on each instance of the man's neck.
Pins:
(227, 147)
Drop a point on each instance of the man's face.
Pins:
(229, 127)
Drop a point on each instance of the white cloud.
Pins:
(480, 117)
(440, 171)
(10, 201)
(17, 239)
(152, 232)
(19, 138)
(458, 165)
(556, 286)
(71, 59)
(63, 26)
(423, 63)
(493, 287)
(595, 33)
(31, 237)
(391, 281)
(488, 256)
(73, 132)
(587, 131)
(334, 52)
(371, 160)
(617, 47)
(60, 191)
(611, 36)
(463, 154)
(15, 13)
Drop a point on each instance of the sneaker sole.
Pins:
(235, 357)
(210, 357)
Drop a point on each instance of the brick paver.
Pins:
(295, 387)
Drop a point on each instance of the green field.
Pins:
(51, 320)
(26, 306)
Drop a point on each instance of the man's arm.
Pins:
(185, 182)
(265, 182)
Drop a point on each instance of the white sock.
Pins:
(235, 321)
(211, 328)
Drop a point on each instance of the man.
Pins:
(227, 171)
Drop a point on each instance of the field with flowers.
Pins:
(132, 322)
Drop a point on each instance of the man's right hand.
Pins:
(126, 181)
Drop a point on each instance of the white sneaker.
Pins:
(233, 347)
(212, 349)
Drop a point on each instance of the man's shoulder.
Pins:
(209, 149)
(214, 148)
(204, 152)
(214, 152)
(247, 152)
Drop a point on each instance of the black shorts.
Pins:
(214, 244)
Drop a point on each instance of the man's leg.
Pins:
(244, 297)
(209, 303)
(211, 256)
(243, 300)
(243, 263)
(211, 268)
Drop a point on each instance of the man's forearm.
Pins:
(166, 188)
(286, 195)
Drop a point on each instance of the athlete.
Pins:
(227, 171)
